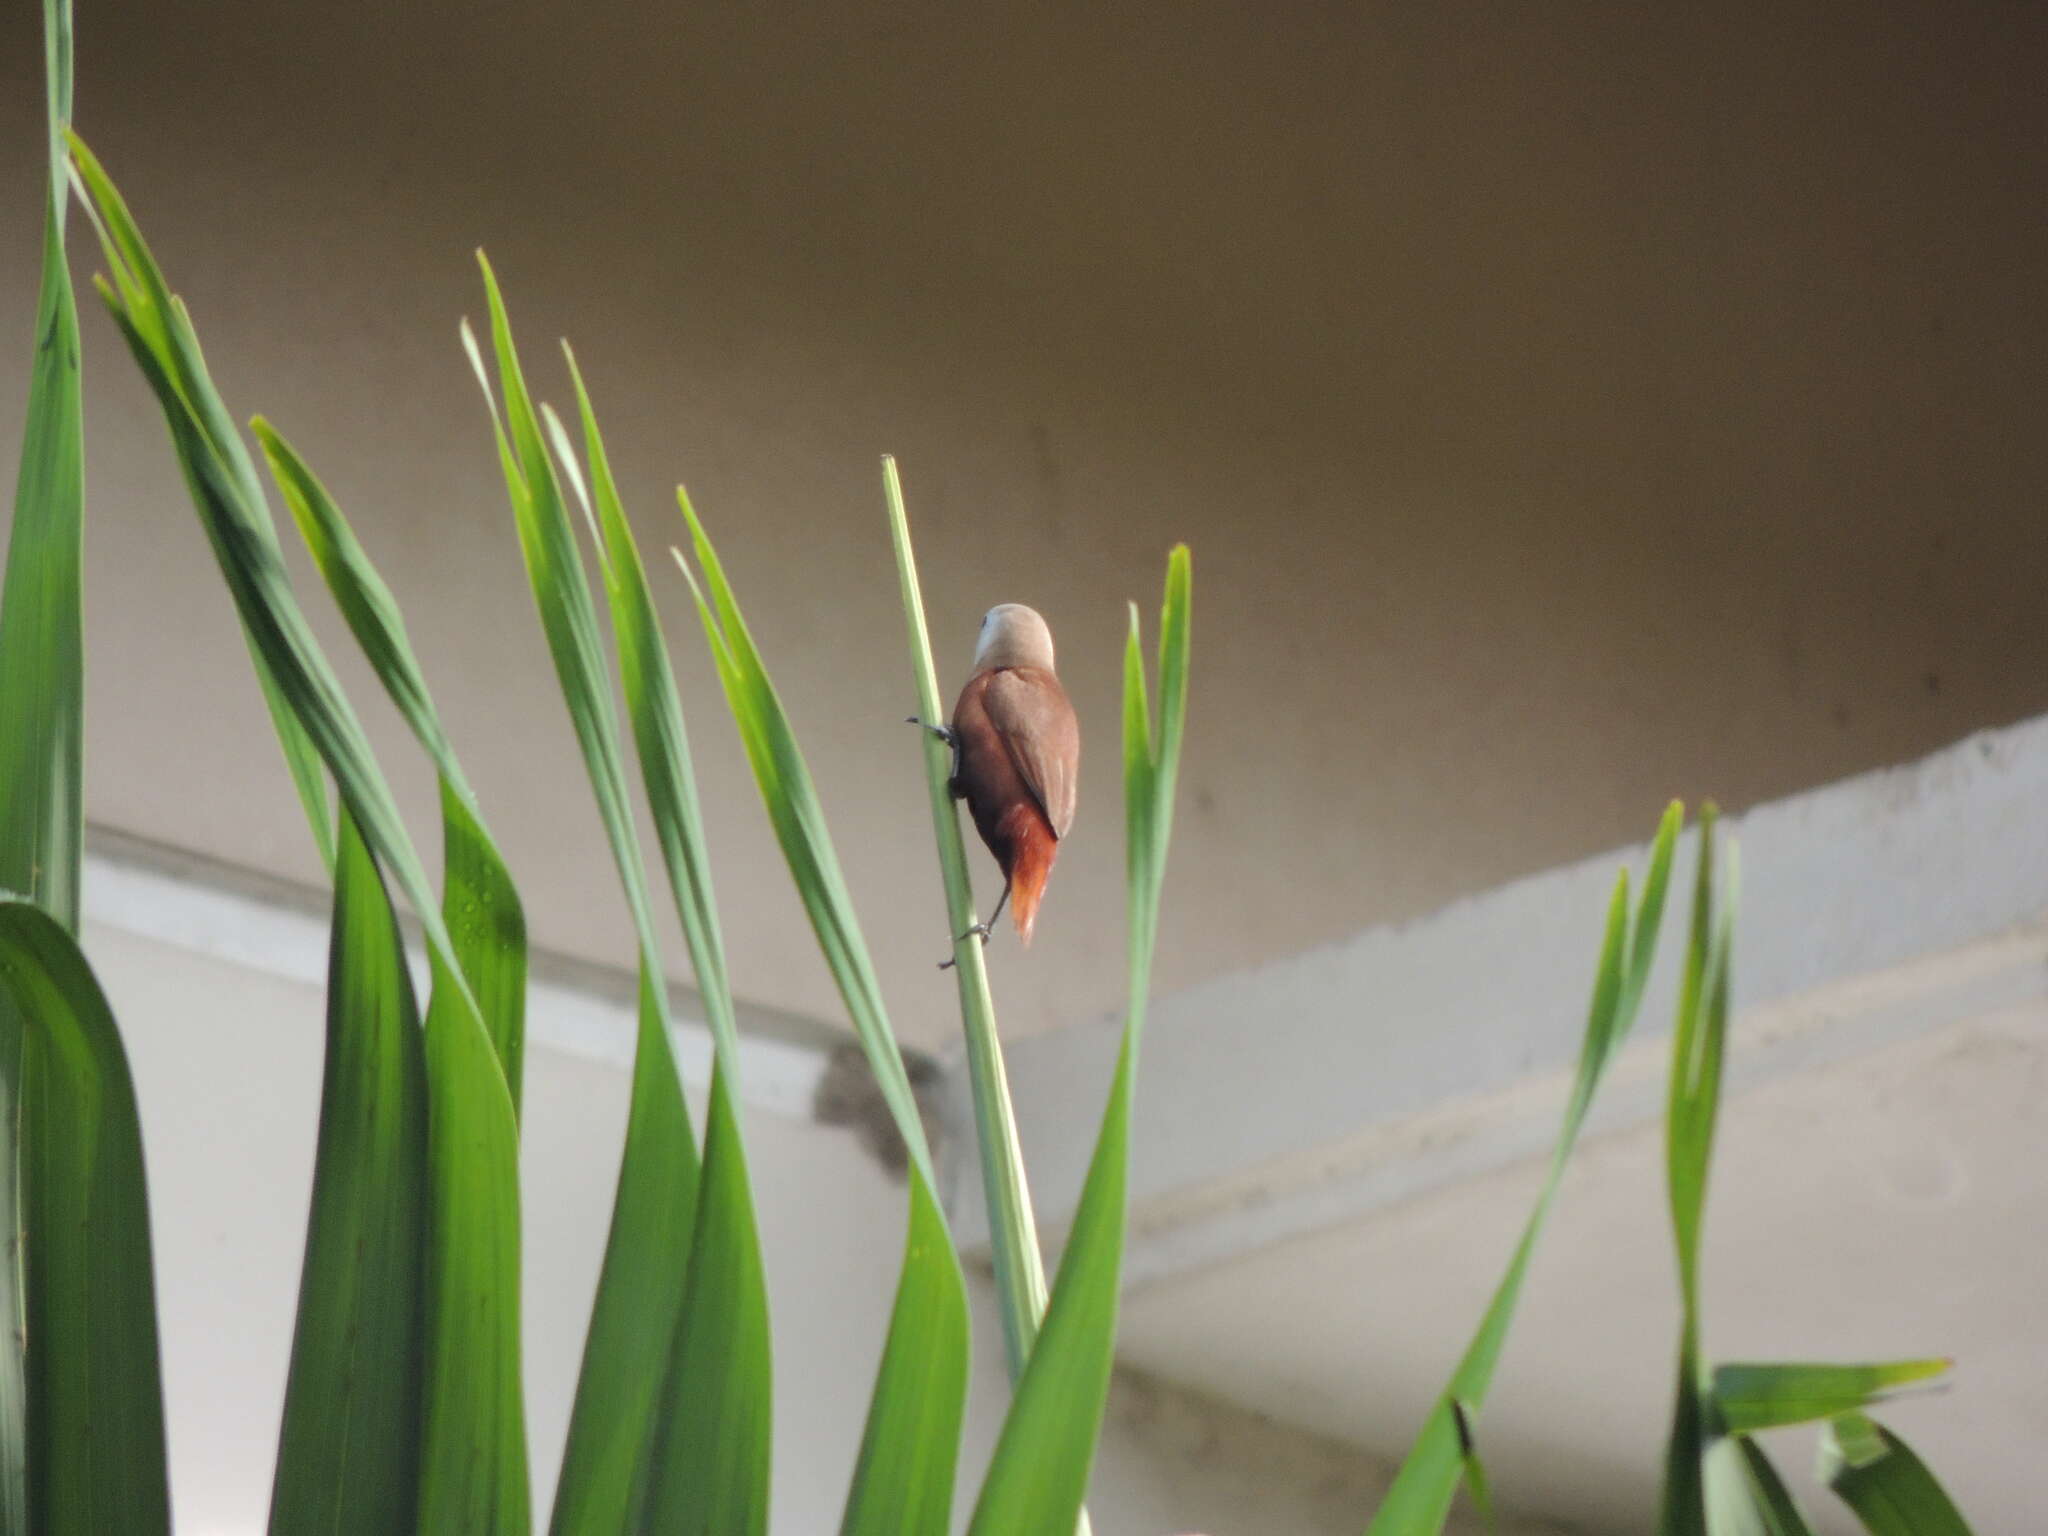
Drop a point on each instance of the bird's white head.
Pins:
(1013, 635)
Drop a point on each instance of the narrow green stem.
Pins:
(1013, 1233)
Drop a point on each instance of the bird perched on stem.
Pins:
(1016, 757)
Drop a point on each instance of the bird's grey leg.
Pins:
(981, 928)
(951, 738)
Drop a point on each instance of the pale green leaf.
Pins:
(1420, 1499)
(1761, 1396)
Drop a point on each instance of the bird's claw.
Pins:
(979, 928)
(943, 732)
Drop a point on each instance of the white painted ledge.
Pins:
(280, 930)
(1293, 1097)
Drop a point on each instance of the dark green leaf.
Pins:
(613, 1425)
(42, 689)
(709, 1475)
(478, 900)
(633, 1319)
(348, 1458)
(473, 1456)
(95, 1397)
(903, 1482)
(711, 1444)
(1877, 1475)
(912, 1436)
(42, 666)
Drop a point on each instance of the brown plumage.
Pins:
(1018, 758)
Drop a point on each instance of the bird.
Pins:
(1016, 757)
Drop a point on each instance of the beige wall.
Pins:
(1569, 407)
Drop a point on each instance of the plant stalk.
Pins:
(1013, 1232)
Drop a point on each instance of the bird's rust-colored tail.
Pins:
(1032, 849)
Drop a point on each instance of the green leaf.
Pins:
(709, 1475)
(639, 1298)
(473, 1455)
(1039, 1472)
(159, 332)
(41, 650)
(478, 900)
(708, 1446)
(659, 733)
(1697, 1049)
(1753, 1397)
(799, 822)
(628, 1352)
(1013, 1231)
(1877, 1475)
(1420, 1499)
(903, 1482)
(1744, 1495)
(348, 1458)
(911, 1439)
(95, 1397)
(1038, 1475)
(1474, 1469)
(42, 691)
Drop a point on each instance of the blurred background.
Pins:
(1569, 407)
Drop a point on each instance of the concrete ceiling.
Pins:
(1334, 1155)
(1566, 411)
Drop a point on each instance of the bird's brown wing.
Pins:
(1030, 713)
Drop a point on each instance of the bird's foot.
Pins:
(943, 732)
(979, 928)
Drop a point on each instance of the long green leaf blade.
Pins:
(473, 1457)
(645, 1289)
(348, 1457)
(42, 701)
(159, 332)
(709, 1475)
(714, 1437)
(1697, 1048)
(903, 1481)
(1420, 1499)
(42, 667)
(1877, 1475)
(633, 1318)
(920, 1389)
(659, 734)
(478, 900)
(1039, 1473)
(95, 1395)
(1753, 1396)
(799, 822)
